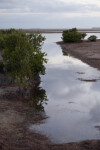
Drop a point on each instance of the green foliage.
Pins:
(72, 35)
(92, 38)
(22, 54)
(83, 35)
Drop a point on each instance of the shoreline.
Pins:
(16, 116)
(88, 52)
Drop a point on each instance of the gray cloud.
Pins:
(43, 6)
(47, 14)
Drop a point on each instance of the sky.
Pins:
(49, 13)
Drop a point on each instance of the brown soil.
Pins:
(14, 133)
(88, 52)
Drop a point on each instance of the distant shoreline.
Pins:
(90, 30)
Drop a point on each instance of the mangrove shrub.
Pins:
(72, 35)
(92, 38)
(22, 55)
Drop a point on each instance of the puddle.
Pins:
(73, 106)
(88, 80)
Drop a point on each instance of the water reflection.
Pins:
(65, 53)
(98, 128)
(38, 99)
(95, 113)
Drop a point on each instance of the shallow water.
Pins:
(73, 106)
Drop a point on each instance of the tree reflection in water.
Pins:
(38, 99)
(64, 53)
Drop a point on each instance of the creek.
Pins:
(73, 106)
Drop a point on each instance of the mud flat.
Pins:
(88, 52)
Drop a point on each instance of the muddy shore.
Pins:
(88, 52)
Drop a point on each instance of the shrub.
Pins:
(72, 35)
(1, 67)
(22, 55)
(83, 35)
(92, 38)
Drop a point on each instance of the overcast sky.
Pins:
(49, 13)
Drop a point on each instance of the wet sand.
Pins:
(88, 52)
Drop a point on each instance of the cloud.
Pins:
(49, 13)
(44, 6)
(47, 21)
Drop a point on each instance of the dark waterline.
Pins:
(73, 92)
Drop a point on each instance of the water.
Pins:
(73, 106)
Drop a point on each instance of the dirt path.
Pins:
(88, 52)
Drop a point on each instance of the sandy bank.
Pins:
(88, 52)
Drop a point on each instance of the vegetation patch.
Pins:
(72, 35)
(22, 55)
(92, 38)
